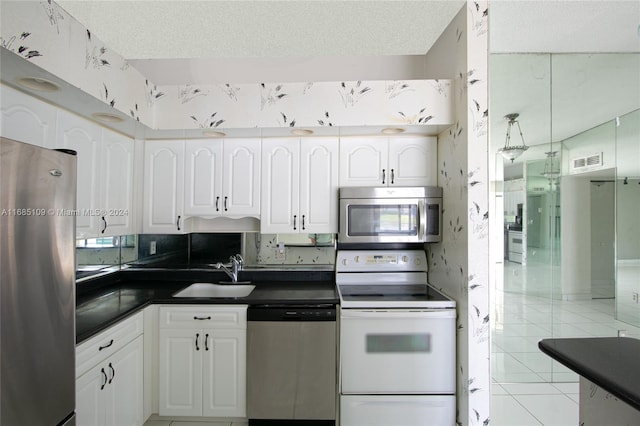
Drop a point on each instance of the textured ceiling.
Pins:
(259, 29)
(177, 29)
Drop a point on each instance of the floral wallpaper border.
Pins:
(42, 33)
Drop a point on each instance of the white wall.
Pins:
(575, 237)
(627, 220)
(603, 234)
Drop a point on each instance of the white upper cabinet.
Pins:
(299, 185)
(117, 184)
(104, 160)
(413, 161)
(397, 161)
(27, 119)
(83, 137)
(241, 183)
(280, 185)
(222, 178)
(363, 161)
(163, 187)
(319, 185)
(203, 177)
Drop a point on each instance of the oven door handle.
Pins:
(399, 313)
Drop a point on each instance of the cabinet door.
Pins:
(319, 185)
(181, 376)
(241, 193)
(224, 372)
(163, 187)
(117, 184)
(363, 161)
(203, 178)
(89, 397)
(83, 137)
(280, 186)
(124, 402)
(27, 119)
(413, 161)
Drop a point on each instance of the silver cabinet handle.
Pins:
(294, 222)
(105, 225)
(303, 228)
(217, 201)
(225, 204)
(393, 177)
(178, 223)
(384, 175)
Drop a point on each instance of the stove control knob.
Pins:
(356, 259)
(405, 259)
(344, 262)
(417, 261)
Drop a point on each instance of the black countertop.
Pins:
(609, 362)
(104, 301)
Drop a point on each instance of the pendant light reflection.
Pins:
(511, 152)
(551, 167)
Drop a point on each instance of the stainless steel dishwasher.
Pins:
(291, 365)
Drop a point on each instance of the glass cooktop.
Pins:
(389, 295)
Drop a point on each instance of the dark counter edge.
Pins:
(626, 395)
(168, 282)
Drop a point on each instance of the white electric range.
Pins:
(397, 341)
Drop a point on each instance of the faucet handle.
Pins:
(239, 259)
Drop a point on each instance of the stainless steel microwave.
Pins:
(390, 214)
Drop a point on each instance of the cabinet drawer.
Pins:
(228, 317)
(103, 345)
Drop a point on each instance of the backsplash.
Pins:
(262, 249)
(199, 249)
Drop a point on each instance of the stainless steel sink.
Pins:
(216, 290)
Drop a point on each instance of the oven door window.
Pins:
(398, 343)
(366, 220)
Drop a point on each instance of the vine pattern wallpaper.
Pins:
(459, 265)
(42, 32)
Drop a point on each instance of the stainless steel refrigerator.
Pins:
(37, 298)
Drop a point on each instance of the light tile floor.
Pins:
(528, 387)
(191, 423)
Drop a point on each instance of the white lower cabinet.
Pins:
(202, 361)
(109, 371)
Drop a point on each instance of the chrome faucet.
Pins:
(232, 268)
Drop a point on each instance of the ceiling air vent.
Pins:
(587, 163)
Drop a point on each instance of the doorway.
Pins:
(603, 239)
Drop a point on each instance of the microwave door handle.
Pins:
(422, 218)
